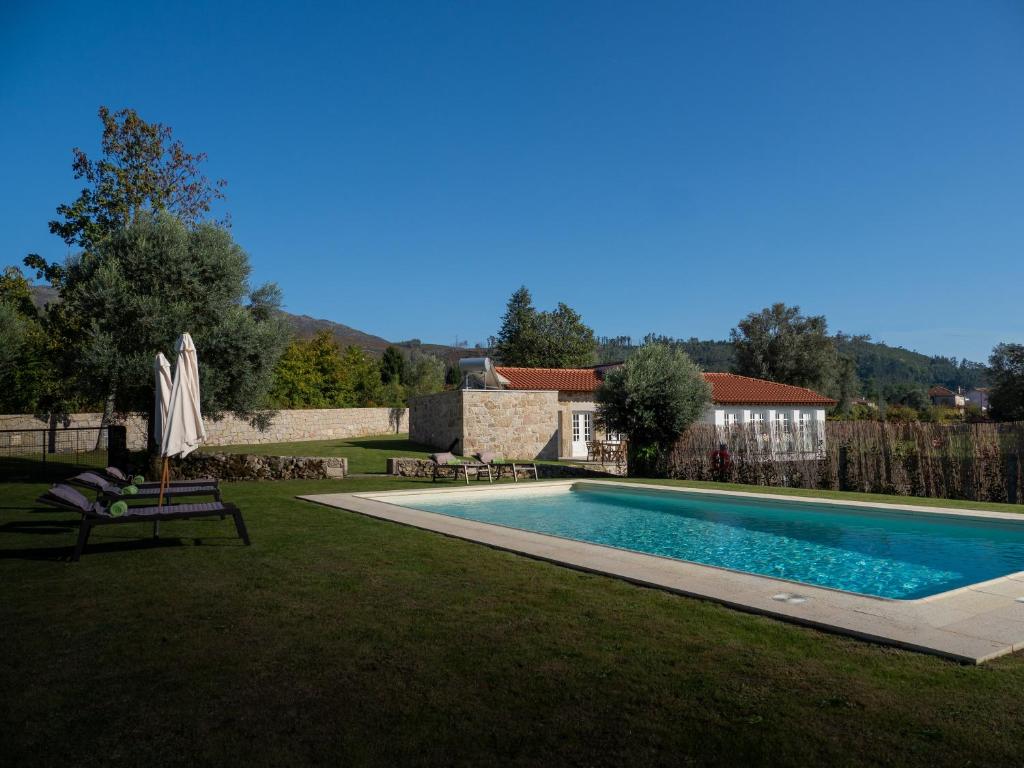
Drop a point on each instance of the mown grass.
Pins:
(366, 455)
(338, 639)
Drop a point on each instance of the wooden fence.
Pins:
(980, 462)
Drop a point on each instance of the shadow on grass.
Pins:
(39, 526)
(385, 444)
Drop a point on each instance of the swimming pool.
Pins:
(879, 552)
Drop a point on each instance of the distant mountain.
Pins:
(43, 295)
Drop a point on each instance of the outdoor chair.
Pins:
(495, 462)
(146, 491)
(119, 477)
(96, 513)
(595, 451)
(450, 461)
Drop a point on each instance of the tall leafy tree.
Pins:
(652, 398)
(517, 339)
(426, 374)
(363, 378)
(564, 341)
(533, 339)
(392, 365)
(310, 374)
(781, 344)
(27, 376)
(132, 294)
(141, 168)
(1006, 373)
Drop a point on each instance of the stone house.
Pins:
(549, 413)
(947, 398)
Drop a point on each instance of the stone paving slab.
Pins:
(971, 624)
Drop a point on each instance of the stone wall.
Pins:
(287, 426)
(312, 424)
(412, 467)
(136, 427)
(515, 424)
(436, 420)
(248, 466)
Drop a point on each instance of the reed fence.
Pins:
(978, 462)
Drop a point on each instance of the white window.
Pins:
(757, 419)
(782, 421)
(612, 437)
(730, 420)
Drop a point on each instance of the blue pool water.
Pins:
(875, 552)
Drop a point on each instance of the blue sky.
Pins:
(668, 167)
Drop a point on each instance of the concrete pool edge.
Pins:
(972, 624)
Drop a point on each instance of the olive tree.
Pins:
(132, 295)
(655, 395)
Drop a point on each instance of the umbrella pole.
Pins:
(160, 504)
(163, 482)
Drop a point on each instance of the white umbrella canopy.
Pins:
(164, 383)
(183, 431)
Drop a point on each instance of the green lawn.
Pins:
(364, 454)
(337, 639)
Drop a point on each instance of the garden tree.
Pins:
(392, 395)
(362, 376)
(564, 341)
(533, 339)
(132, 294)
(425, 374)
(310, 374)
(1006, 375)
(516, 341)
(780, 344)
(845, 385)
(142, 168)
(392, 366)
(27, 378)
(908, 394)
(652, 398)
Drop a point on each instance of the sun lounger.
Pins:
(495, 462)
(117, 476)
(96, 513)
(450, 461)
(146, 491)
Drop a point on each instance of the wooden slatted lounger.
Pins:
(96, 513)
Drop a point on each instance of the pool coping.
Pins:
(970, 624)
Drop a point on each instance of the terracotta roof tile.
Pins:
(731, 388)
(563, 379)
(726, 388)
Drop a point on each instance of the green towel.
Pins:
(129, 490)
(138, 480)
(118, 508)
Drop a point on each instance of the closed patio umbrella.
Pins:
(183, 431)
(164, 382)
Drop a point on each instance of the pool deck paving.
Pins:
(971, 624)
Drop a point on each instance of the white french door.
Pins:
(582, 432)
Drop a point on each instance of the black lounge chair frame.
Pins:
(93, 519)
(179, 488)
